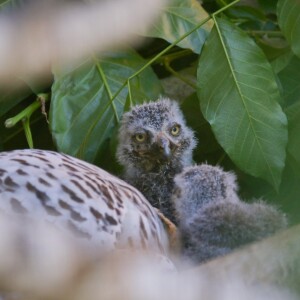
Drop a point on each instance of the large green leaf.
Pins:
(289, 194)
(82, 117)
(179, 17)
(290, 81)
(239, 98)
(288, 12)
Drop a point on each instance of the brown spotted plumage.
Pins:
(75, 196)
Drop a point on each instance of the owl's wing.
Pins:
(74, 195)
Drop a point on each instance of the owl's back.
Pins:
(78, 197)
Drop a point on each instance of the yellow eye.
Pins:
(140, 137)
(175, 130)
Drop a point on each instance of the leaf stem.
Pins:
(178, 75)
(151, 61)
(220, 160)
(265, 32)
(129, 94)
(103, 77)
(174, 55)
(225, 8)
(223, 2)
(5, 2)
(25, 115)
(26, 127)
(20, 129)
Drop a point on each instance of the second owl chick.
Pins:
(154, 145)
(212, 219)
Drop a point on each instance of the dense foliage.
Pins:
(243, 63)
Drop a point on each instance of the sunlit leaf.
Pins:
(178, 18)
(82, 116)
(239, 98)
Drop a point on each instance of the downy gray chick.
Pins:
(212, 219)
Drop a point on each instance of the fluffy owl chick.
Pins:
(154, 145)
(212, 219)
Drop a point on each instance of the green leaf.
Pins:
(290, 81)
(178, 18)
(246, 12)
(239, 98)
(272, 47)
(281, 61)
(289, 193)
(288, 12)
(293, 114)
(268, 5)
(82, 116)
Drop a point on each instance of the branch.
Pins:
(274, 261)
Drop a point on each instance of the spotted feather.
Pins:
(76, 196)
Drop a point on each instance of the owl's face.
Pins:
(154, 134)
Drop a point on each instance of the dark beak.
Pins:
(164, 146)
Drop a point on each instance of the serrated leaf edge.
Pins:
(244, 104)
